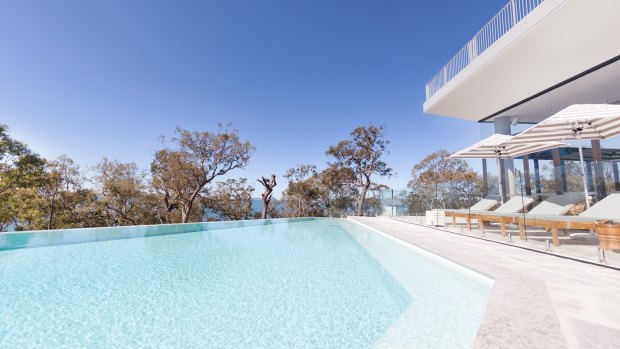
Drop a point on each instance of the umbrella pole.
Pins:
(583, 174)
(436, 205)
(499, 178)
(523, 207)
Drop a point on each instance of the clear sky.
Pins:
(106, 78)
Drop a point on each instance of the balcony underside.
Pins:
(558, 41)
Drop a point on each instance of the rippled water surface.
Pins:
(302, 284)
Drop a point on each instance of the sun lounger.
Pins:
(606, 209)
(513, 205)
(505, 213)
(485, 204)
(555, 205)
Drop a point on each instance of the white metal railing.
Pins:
(513, 12)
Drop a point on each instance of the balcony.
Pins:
(529, 47)
(511, 14)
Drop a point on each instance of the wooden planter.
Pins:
(608, 235)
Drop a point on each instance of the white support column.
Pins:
(502, 126)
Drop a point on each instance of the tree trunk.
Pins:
(265, 207)
(185, 212)
(362, 199)
(51, 217)
(269, 184)
(187, 208)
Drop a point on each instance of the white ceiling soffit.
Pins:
(600, 86)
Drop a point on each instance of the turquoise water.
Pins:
(298, 284)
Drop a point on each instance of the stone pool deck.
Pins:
(538, 300)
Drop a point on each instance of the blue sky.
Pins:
(106, 78)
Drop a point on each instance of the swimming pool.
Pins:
(318, 283)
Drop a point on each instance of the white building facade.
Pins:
(531, 60)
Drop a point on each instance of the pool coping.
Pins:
(16, 240)
(472, 274)
(521, 311)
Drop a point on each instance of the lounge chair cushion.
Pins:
(484, 205)
(608, 208)
(515, 204)
(558, 204)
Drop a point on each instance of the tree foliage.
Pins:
(181, 185)
(230, 200)
(59, 200)
(439, 182)
(41, 194)
(302, 196)
(181, 171)
(338, 188)
(374, 204)
(125, 197)
(363, 155)
(331, 192)
(63, 179)
(19, 166)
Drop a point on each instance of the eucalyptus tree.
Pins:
(229, 200)
(276, 209)
(20, 168)
(59, 201)
(8, 212)
(63, 177)
(374, 203)
(41, 206)
(338, 189)
(186, 165)
(445, 182)
(124, 194)
(363, 154)
(302, 197)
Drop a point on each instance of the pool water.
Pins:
(291, 284)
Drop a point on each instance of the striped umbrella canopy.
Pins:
(579, 121)
(497, 147)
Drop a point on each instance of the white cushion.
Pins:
(608, 208)
(484, 205)
(515, 204)
(558, 204)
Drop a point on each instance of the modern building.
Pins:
(532, 59)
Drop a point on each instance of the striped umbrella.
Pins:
(497, 146)
(579, 121)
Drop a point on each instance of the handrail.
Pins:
(511, 14)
